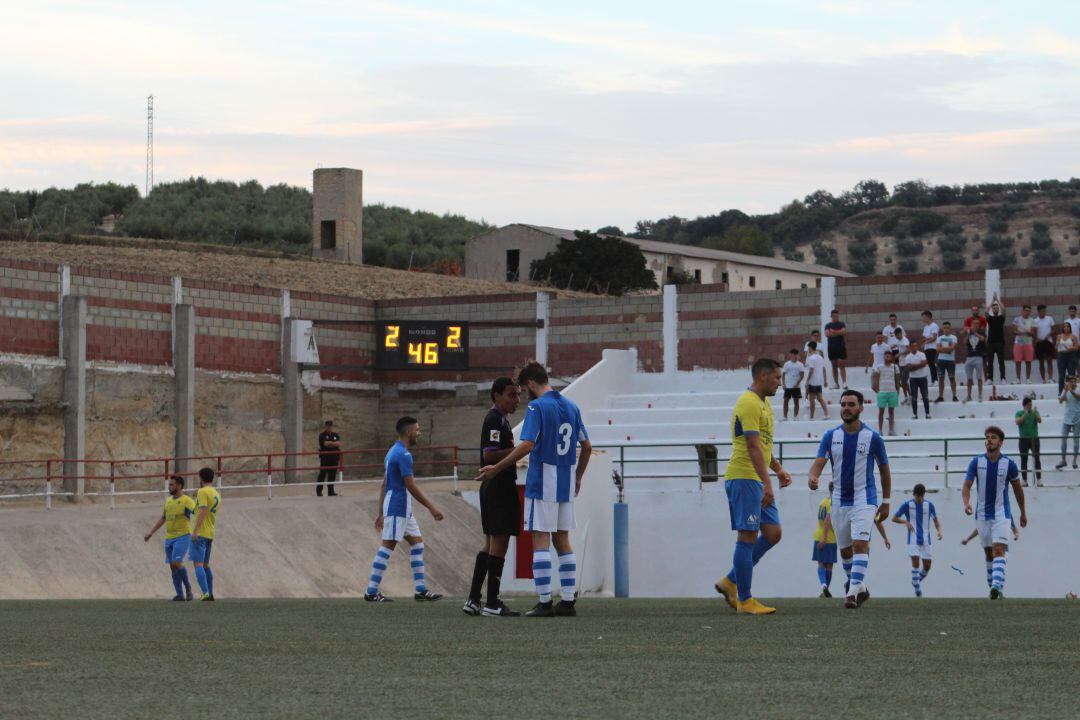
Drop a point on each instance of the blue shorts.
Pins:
(200, 550)
(744, 504)
(826, 555)
(176, 549)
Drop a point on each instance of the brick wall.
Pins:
(239, 327)
(723, 330)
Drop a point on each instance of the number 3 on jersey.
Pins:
(565, 431)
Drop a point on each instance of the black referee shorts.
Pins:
(500, 507)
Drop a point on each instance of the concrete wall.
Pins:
(485, 256)
(338, 196)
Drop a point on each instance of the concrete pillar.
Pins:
(286, 312)
(177, 298)
(671, 329)
(184, 378)
(993, 285)
(543, 326)
(828, 302)
(73, 326)
(292, 423)
(63, 275)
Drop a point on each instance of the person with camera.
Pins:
(1070, 423)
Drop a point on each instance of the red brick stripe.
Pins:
(36, 295)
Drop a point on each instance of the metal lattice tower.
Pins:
(149, 144)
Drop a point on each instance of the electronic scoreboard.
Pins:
(422, 345)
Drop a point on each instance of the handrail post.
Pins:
(622, 462)
(945, 463)
(112, 484)
(781, 443)
(219, 472)
(48, 484)
(269, 476)
(456, 491)
(166, 475)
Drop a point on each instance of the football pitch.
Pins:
(618, 658)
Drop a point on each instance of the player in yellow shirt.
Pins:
(207, 502)
(825, 544)
(749, 488)
(176, 517)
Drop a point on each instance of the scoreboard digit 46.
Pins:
(422, 345)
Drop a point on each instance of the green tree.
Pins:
(599, 264)
(744, 239)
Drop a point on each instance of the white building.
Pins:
(507, 253)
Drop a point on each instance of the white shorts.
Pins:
(853, 523)
(973, 369)
(926, 552)
(994, 532)
(396, 528)
(548, 516)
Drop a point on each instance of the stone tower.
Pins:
(337, 216)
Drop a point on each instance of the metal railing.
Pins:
(256, 471)
(783, 452)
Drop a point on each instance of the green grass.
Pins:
(625, 659)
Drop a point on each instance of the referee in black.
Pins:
(500, 507)
(329, 458)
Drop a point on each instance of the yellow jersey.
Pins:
(753, 415)
(823, 511)
(208, 497)
(177, 514)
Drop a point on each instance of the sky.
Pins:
(572, 114)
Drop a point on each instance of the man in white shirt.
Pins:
(930, 334)
(889, 331)
(919, 380)
(1024, 342)
(887, 395)
(815, 378)
(878, 351)
(793, 374)
(1074, 321)
(1044, 343)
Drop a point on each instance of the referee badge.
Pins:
(494, 436)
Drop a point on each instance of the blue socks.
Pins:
(209, 579)
(998, 575)
(184, 579)
(378, 567)
(542, 574)
(760, 547)
(416, 560)
(822, 576)
(744, 568)
(177, 583)
(859, 563)
(200, 577)
(828, 577)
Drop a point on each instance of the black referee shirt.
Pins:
(497, 435)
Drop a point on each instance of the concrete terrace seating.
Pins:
(653, 409)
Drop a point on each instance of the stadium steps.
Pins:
(291, 546)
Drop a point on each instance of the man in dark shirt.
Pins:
(837, 348)
(329, 459)
(500, 506)
(995, 338)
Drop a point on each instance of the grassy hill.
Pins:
(1037, 232)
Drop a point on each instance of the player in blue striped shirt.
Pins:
(992, 474)
(550, 437)
(853, 448)
(916, 514)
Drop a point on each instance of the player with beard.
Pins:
(396, 521)
(853, 448)
(751, 502)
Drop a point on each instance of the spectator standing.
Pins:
(815, 379)
(919, 379)
(995, 339)
(793, 373)
(329, 459)
(1074, 321)
(975, 321)
(1028, 419)
(1068, 343)
(975, 358)
(900, 358)
(887, 395)
(1024, 342)
(878, 351)
(837, 348)
(1070, 423)
(1044, 343)
(930, 334)
(889, 331)
(946, 363)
